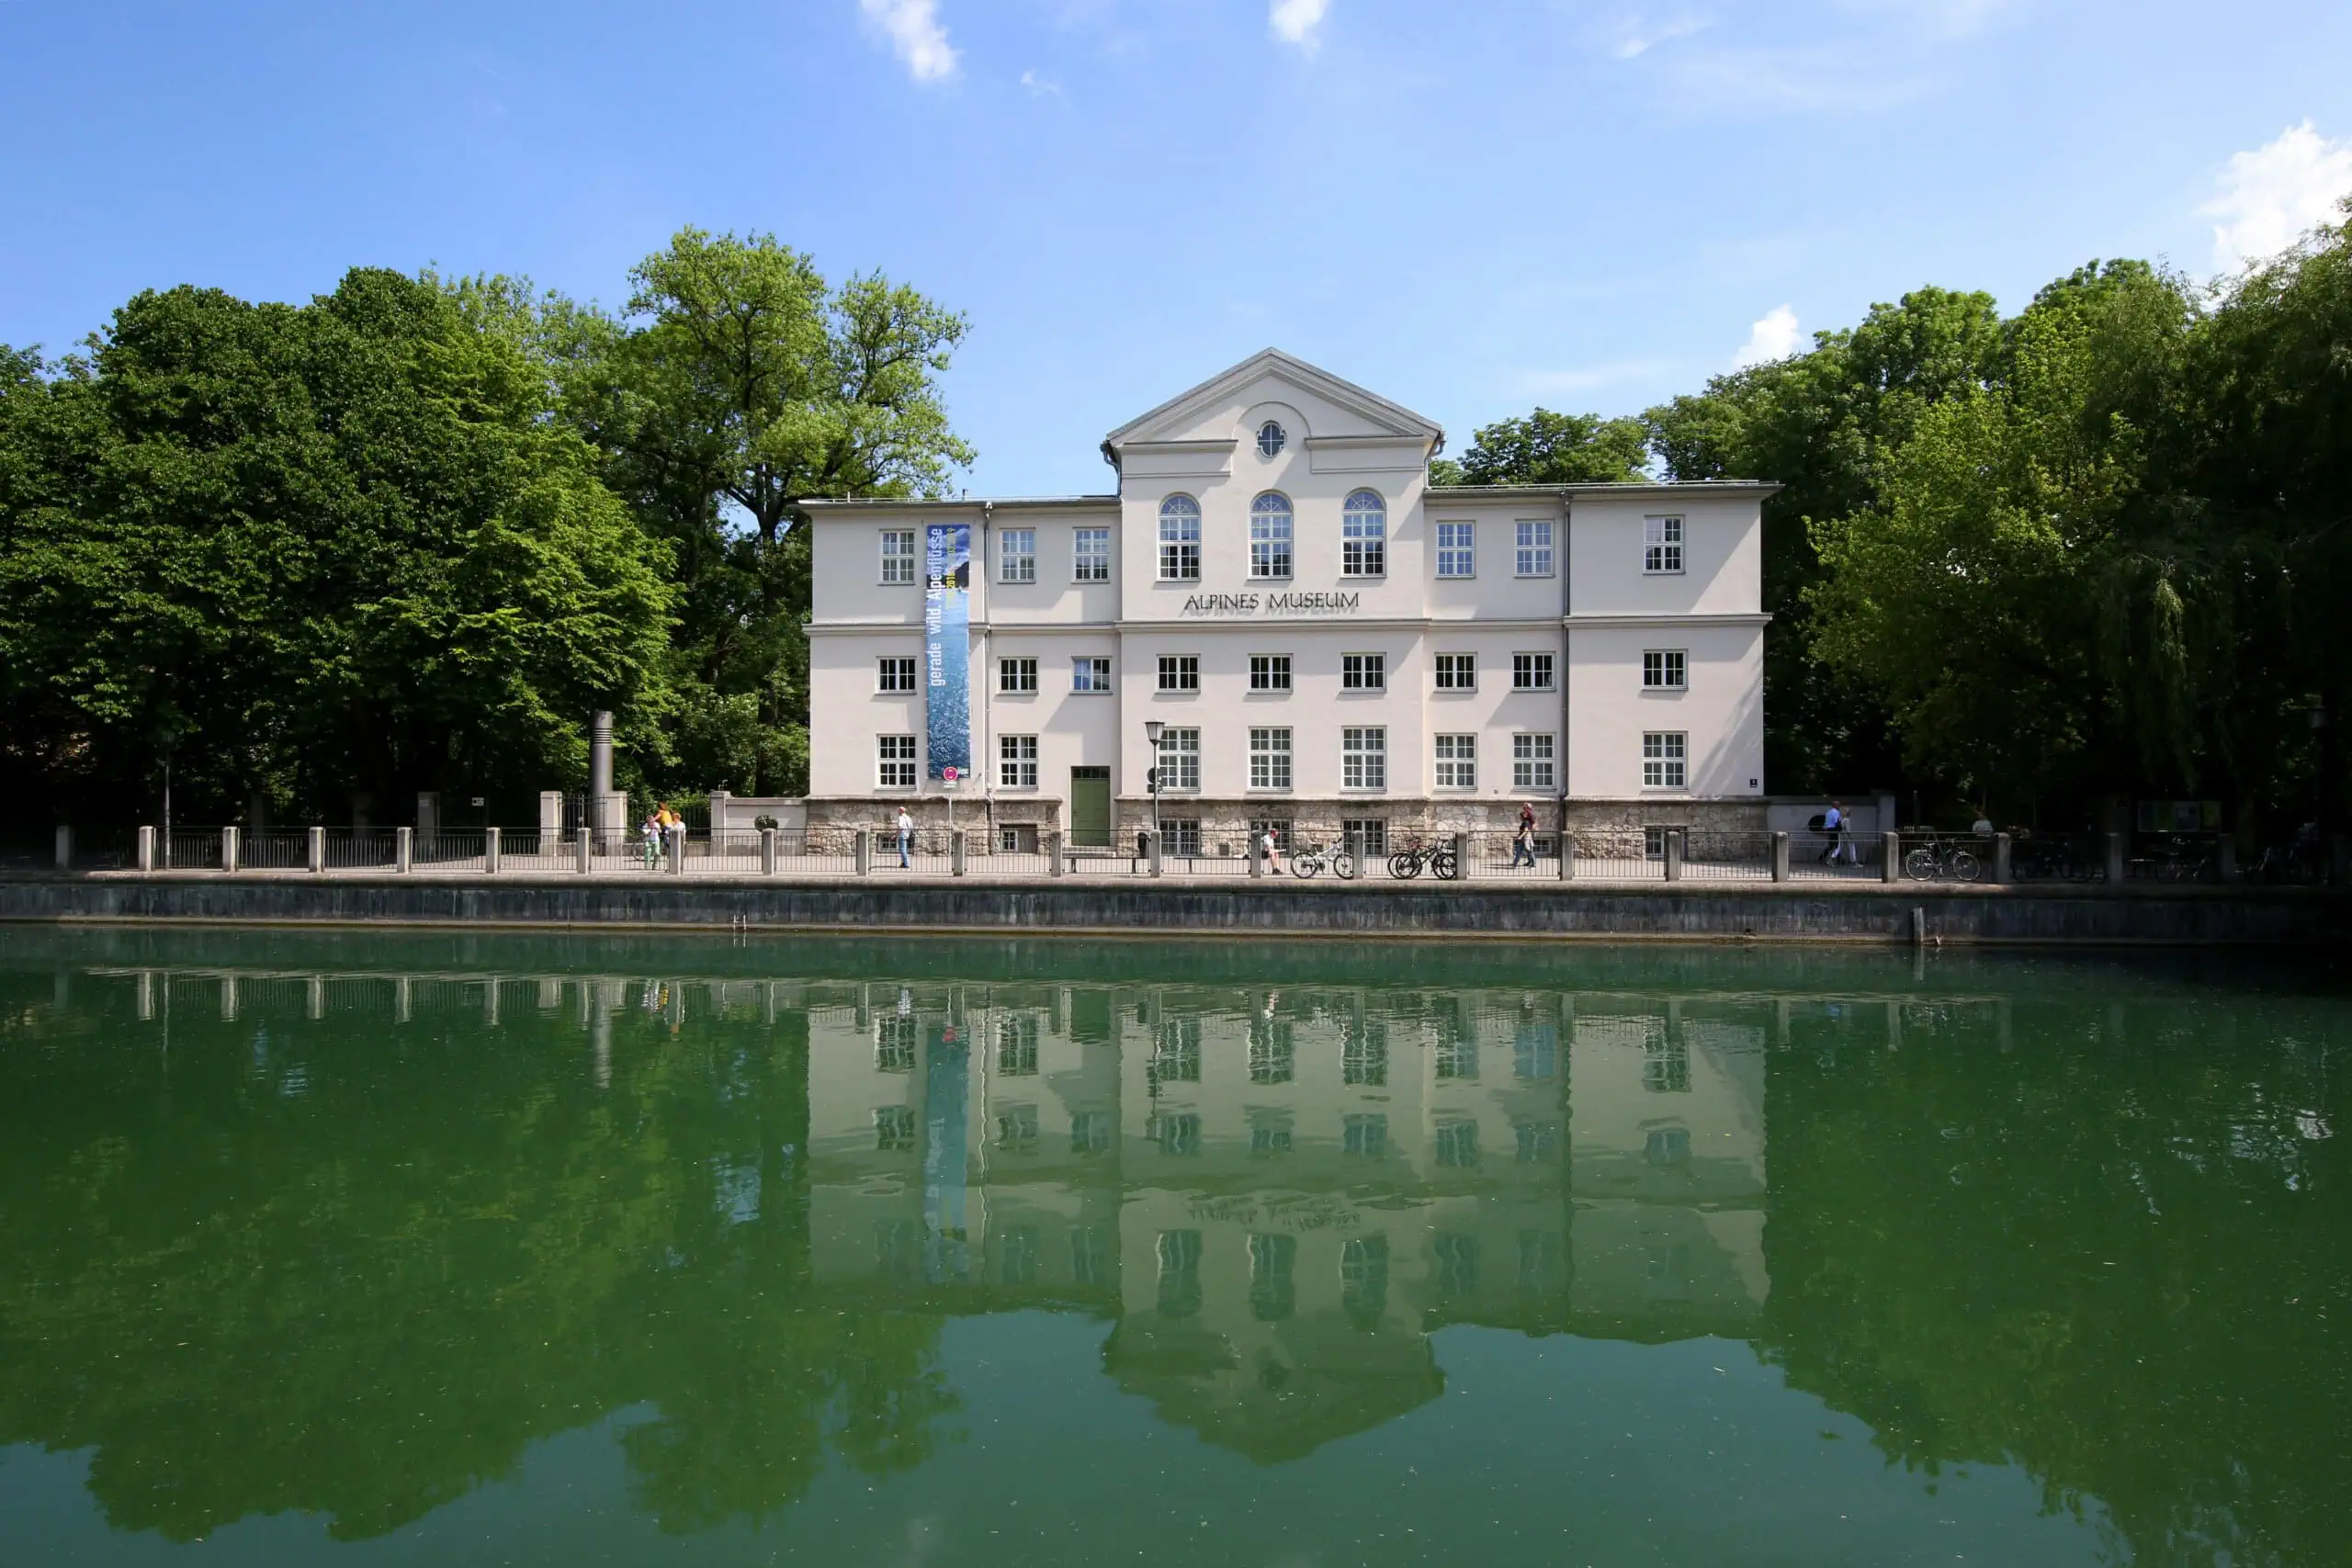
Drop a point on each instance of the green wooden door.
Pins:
(1090, 808)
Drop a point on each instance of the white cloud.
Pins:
(1774, 336)
(915, 31)
(1636, 36)
(1295, 21)
(2270, 195)
(1038, 86)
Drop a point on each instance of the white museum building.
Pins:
(1321, 642)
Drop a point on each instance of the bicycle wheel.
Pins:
(1444, 866)
(1963, 866)
(1404, 867)
(1919, 865)
(1305, 866)
(1343, 865)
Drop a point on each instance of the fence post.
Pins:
(865, 852)
(230, 845)
(581, 850)
(1890, 849)
(2115, 857)
(677, 837)
(1054, 847)
(957, 852)
(146, 849)
(403, 849)
(2226, 855)
(64, 849)
(318, 857)
(1257, 859)
(1779, 857)
(767, 851)
(1674, 855)
(1567, 855)
(1460, 844)
(2004, 859)
(490, 851)
(1156, 864)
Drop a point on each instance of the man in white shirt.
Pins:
(1266, 848)
(906, 838)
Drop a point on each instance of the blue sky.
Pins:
(1471, 207)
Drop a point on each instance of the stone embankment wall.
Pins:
(1840, 912)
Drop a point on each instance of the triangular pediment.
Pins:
(1333, 408)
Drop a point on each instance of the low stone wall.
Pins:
(1832, 912)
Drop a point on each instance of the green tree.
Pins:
(1548, 448)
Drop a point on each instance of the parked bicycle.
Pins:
(2177, 859)
(2048, 860)
(1941, 860)
(1327, 857)
(1407, 863)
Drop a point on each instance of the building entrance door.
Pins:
(1090, 808)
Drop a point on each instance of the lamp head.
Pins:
(1151, 728)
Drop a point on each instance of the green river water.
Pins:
(401, 1248)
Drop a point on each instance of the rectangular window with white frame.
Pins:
(1661, 546)
(1090, 673)
(1180, 758)
(893, 674)
(1269, 759)
(1364, 671)
(1665, 670)
(1530, 671)
(1458, 549)
(1531, 554)
(1457, 671)
(1363, 757)
(1090, 555)
(1017, 556)
(1270, 672)
(1270, 530)
(1664, 758)
(1457, 761)
(1363, 536)
(1531, 761)
(1016, 761)
(1180, 540)
(1180, 672)
(1016, 677)
(897, 554)
(894, 761)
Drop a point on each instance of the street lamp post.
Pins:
(1151, 728)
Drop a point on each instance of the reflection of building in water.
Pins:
(1279, 1196)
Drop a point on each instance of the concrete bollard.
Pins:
(677, 837)
(231, 848)
(2226, 855)
(1779, 857)
(403, 849)
(490, 847)
(1567, 855)
(2004, 859)
(1055, 849)
(64, 849)
(582, 851)
(317, 855)
(1257, 859)
(1155, 854)
(146, 849)
(767, 851)
(1890, 854)
(1674, 855)
(1460, 845)
(957, 851)
(2115, 868)
(865, 848)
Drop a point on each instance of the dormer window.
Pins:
(1271, 439)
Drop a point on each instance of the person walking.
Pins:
(1833, 822)
(649, 834)
(1522, 843)
(1267, 848)
(906, 838)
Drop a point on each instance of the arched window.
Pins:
(1270, 440)
(1363, 535)
(1180, 539)
(1270, 519)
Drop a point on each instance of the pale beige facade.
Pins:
(1324, 637)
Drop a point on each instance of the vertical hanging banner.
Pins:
(947, 648)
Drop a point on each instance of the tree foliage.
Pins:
(1548, 448)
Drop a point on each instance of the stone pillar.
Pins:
(677, 837)
(1460, 845)
(403, 849)
(2228, 854)
(318, 856)
(1890, 853)
(1257, 860)
(864, 851)
(2115, 867)
(550, 819)
(64, 849)
(490, 848)
(1674, 855)
(1153, 839)
(1779, 857)
(957, 852)
(1567, 854)
(146, 849)
(1055, 849)
(2004, 859)
(583, 850)
(767, 851)
(720, 800)
(230, 848)
(428, 812)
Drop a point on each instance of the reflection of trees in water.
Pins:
(352, 1269)
(2108, 1248)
